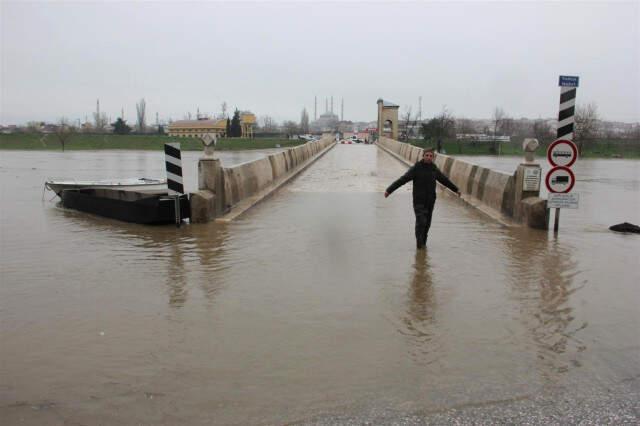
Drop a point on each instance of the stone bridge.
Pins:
(225, 193)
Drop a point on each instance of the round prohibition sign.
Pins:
(560, 180)
(562, 153)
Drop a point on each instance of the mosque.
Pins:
(328, 121)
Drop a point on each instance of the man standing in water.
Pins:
(424, 175)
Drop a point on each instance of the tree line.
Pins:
(588, 127)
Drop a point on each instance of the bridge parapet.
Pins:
(226, 192)
(497, 194)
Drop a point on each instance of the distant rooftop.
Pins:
(388, 104)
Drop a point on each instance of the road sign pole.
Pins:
(568, 88)
(177, 207)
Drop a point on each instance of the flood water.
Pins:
(315, 307)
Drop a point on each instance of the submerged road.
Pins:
(315, 308)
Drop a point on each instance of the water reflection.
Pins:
(176, 280)
(543, 280)
(179, 257)
(419, 321)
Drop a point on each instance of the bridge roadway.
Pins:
(314, 307)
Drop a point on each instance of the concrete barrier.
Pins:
(493, 192)
(238, 188)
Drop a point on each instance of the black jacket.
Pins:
(424, 177)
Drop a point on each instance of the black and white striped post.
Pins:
(566, 117)
(173, 164)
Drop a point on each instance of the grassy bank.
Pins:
(595, 149)
(25, 141)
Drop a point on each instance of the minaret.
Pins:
(342, 109)
(315, 108)
(420, 109)
(122, 114)
(326, 105)
(331, 104)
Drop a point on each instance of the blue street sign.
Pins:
(569, 81)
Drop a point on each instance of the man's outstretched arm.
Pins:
(400, 181)
(440, 177)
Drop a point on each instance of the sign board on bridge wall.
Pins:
(531, 181)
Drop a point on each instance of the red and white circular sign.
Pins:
(562, 153)
(560, 180)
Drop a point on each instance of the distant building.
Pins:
(345, 126)
(327, 122)
(202, 126)
(481, 137)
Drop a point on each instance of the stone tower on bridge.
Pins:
(387, 119)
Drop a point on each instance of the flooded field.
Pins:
(314, 307)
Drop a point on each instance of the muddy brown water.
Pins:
(314, 303)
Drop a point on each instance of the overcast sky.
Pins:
(273, 58)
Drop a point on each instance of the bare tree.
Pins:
(439, 127)
(465, 126)
(542, 131)
(586, 125)
(304, 121)
(268, 123)
(141, 108)
(522, 127)
(64, 131)
(291, 127)
(34, 127)
(498, 118)
(447, 125)
(406, 117)
(607, 130)
(633, 133)
(508, 127)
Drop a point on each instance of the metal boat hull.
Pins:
(125, 205)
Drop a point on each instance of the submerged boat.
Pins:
(133, 184)
(149, 207)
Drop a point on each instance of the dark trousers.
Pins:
(423, 221)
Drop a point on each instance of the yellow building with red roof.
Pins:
(199, 128)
